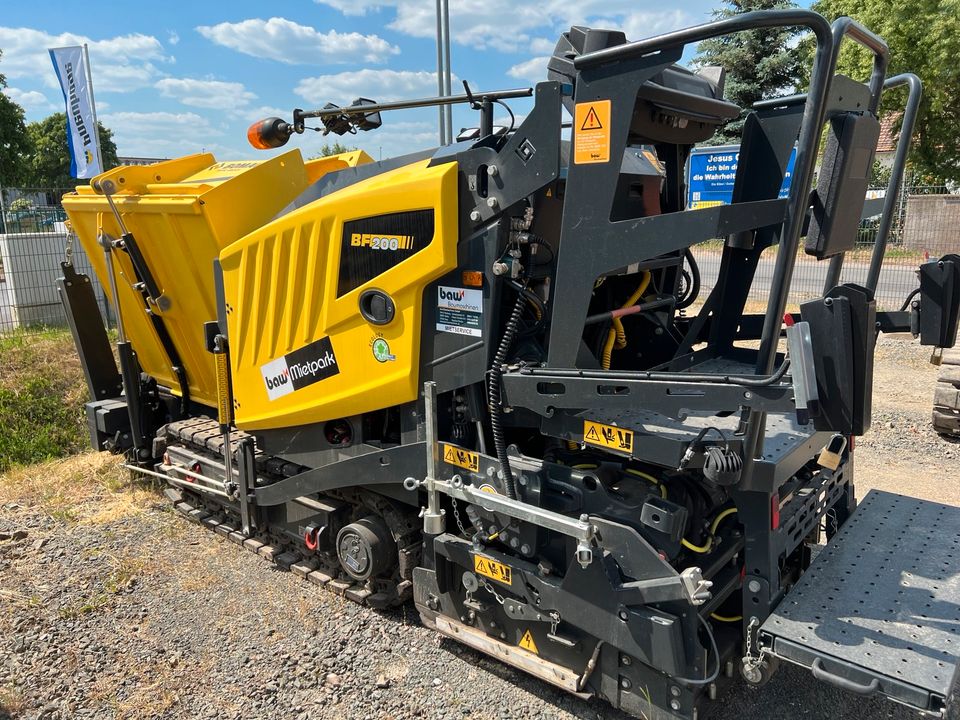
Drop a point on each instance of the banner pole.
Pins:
(93, 107)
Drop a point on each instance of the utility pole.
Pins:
(446, 69)
(445, 113)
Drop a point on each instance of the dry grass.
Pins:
(89, 488)
(11, 703)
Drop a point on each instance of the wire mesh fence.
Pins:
(34, 235)
(926, 224)
(33, 243)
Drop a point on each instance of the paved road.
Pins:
(896, 280)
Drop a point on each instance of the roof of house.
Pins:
(889, 132)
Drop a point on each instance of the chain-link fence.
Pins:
(33, 238)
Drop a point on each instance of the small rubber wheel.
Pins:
(762, 674)
(365, 548)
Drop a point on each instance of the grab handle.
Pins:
(841, 682)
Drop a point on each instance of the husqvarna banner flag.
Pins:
(82, 136)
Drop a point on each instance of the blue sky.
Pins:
(176, 77)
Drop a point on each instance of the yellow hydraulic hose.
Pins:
(651, 479)
(726, 618)
(719, 518)
(713, 533)
(617, 337)
(697, 548)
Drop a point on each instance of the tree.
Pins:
(335, 149)
(759, 63)
(49, 162)
(14, 144)
(924, 38)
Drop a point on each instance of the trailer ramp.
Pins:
(878, 611)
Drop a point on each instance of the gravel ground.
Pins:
(112, 607)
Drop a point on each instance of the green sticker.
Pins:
(381, 350)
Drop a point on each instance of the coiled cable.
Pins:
(495, 394)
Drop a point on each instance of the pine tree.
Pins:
(759, 63)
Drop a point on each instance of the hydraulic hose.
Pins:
(719, 518)
(495, 390)
(694, 291)
(910, 297)
(617, 336)
(708, 546)
(650, 479)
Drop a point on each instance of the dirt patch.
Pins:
(902, 453)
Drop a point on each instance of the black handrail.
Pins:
(848, 27)
(915, 90)
(892, 196)
(739, 23)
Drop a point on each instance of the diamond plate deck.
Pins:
(879, 609)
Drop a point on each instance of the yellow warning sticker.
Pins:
(527, 643)
(591, 132)
(461, 458)
(608, 436)
(493, 570)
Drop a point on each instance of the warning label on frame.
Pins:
(591, 132)
(460, 311)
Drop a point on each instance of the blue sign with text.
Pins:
(712, 171)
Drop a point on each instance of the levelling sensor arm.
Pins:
(361, 114)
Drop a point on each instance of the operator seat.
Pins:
(676, 106)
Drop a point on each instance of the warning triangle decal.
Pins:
(527, 643)
(592, 434)
(591, 121)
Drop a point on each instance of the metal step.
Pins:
(878, 612)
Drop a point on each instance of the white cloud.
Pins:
(511, 26)
(355, 7)
(644, 24)
(214, 94)
(160, 134)
(261, 112)
(121, 63)
(544, 46)
(533, 70)
(289, 42)
(379, 85)
(172, 37)
(29, 100)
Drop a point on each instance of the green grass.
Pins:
(42, 393)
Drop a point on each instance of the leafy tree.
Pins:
(49, 163)
(14, 144)
(334, 149)
(924, 38)
(759, 63)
